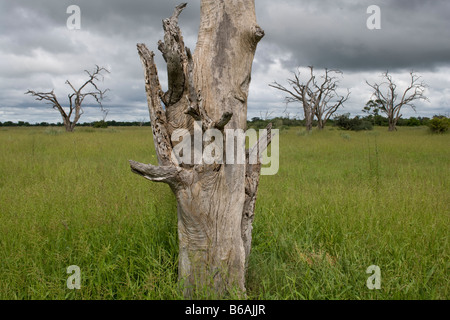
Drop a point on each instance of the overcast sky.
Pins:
(39, 52)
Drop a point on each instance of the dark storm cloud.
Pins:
(30, 23)
(414, 34)
(37, 51)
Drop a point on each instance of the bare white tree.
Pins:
(71, 114)
(386, 97)
(318, 98)
(328, 101)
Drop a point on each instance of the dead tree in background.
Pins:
(328, 100)
(216, 202)
(299, 93)
(386, 97)
(72, 114)
(318, 99)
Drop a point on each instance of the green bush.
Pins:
(278, 123)
(363, 125)
(413, 122)
(439, 124)
(356, 124)
(100, 124)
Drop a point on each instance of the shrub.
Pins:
(363, 125)
(278, 123)
(100, 124)
(343, 121)
(356, 124)
(439, 124)
(413, 122)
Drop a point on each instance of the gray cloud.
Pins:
(37, 51)
(414, 34)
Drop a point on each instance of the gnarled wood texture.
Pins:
(215, 202)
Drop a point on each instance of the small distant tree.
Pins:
(439, 124)
(318, 98)
(386, 97)
(72, 114)
(373, 107)
(100, 124)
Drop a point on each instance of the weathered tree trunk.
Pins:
(309, 121)
(392, 125)
(67, 124)
(320, 123)
(392, 119)
(215, 201)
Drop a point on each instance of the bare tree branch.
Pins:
(174, 53)
(75, 99)
(386, 97)
(224, 120)
(153, 173)
(316, 98)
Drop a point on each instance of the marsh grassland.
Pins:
(341, 202)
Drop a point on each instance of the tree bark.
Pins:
(309, 121)
(67, 124)
(215, 201)
(320, 123)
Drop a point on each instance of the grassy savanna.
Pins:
(341, 202)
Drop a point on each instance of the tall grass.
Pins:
(337, 206)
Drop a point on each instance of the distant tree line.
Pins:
(343, 121)
(95, 124)
(438, 123)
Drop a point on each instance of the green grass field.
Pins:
(341, 202)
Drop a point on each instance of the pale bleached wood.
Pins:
(211, 87)
(158, 119)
